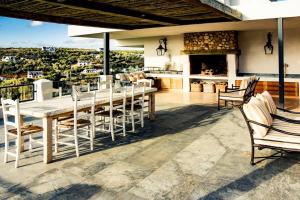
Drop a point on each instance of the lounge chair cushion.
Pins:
(122, 77)
(268, 100)
(231, 96)
(256, 110)
(277, 139)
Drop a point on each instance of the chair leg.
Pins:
(6, 147)
(124, 125)
(18, 144)
(30, 143)
(56, 130)
(142, 118)
(76, 143)
(252, 155)
(111, 127)
(91, 137)
(132, 122)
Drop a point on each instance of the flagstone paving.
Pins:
(191, 151)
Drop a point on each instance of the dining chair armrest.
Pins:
(233, 91)
(293, 121)
(272, 128)
(288, 111)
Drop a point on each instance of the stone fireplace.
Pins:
(208, 65)
(208, 51)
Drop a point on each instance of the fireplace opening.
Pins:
(208, 65)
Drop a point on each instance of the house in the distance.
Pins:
(49, 49)
(91, 71)
(83, 63)
(34, 74)
(9, 59)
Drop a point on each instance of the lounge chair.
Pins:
(238, 95)
(269, 130)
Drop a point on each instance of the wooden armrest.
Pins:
(272, 128)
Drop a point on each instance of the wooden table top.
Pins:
(56, 106)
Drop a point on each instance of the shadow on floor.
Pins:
(167, 122)
(251, 180)
(73, 191)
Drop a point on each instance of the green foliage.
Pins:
(59, 65)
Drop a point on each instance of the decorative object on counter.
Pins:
(167, 66)
(285, 69)
(162, 48)
(207, 72)
(269, 47)
(221, 86)
(134, 77)
(209, 87)
(196, 87)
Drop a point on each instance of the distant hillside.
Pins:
(64, 61)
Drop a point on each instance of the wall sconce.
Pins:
(162, 48)
(269, 47)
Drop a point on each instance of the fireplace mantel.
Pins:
(211, 52)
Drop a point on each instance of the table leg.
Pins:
(47, 139)
(151, 106)
(22, 137)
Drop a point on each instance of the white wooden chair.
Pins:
(135, 108)
(15, 129)
(146, 83)
(81, 121)
(114, 113)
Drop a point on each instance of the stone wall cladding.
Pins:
(211, 41)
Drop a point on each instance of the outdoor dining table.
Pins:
(51, 109)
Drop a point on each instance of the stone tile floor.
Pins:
(191, 151)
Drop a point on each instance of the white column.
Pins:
(186, 72)
(44, 89)
(105, 78)
(232, 66)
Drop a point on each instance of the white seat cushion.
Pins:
(232, 96)
(268, 100)
(146, 81)
(277, 139)
(256, 110)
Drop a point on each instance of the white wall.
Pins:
(254, 60)
(173, 55)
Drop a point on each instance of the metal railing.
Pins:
(89, 84)
(24, 92)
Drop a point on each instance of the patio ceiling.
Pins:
(120, 14)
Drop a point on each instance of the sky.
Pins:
(27, 33)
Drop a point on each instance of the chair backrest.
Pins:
(254, 84)
(250, 90)
(11, 108)
(134, 90)
(101, 85)
(114, 91)
(86, 96)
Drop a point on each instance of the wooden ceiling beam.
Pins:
(105, 8)
(65, 20)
